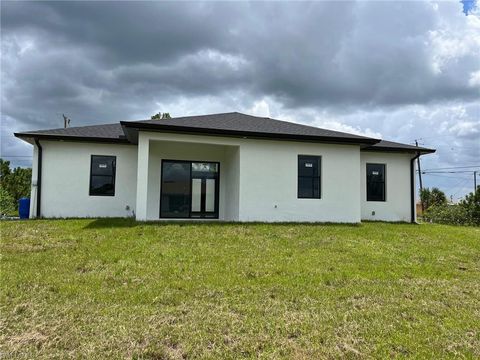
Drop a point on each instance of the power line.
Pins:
(436, 136)
(449, 172)
(24, 160)
(460, 187)
(449, 177)
(453, 167)
(16, 156)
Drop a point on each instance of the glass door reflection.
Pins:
(189, 189)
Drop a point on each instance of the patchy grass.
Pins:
(118, 289)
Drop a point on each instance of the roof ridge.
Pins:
(263, 117)
(189, 116)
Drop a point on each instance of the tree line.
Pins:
(14, 184)
(438, 210)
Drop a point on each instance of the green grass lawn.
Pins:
(119, 289)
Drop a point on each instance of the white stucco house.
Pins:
(230, 167)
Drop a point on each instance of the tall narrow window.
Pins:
(309, 177)
(102, 175)
(375, 182)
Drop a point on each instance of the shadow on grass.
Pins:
(103, 223)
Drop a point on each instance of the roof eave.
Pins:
(422, 151)
(128, 126)
(30, 137)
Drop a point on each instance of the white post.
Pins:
(142, 177)
(33, 191)
(415, 193)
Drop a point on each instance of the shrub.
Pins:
(7, 202)
(16, 182)
(467, 212)
(472, 206)
(449, 214)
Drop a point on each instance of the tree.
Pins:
(471, 203)
(20, 182)
(432, 197)
(438, 197)
(160, 115)
(7, 203)
(4, 169)
(467, 212)
(16, 183)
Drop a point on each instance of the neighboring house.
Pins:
(230, 167)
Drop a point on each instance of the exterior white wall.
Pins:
(142, 178)
(66, 180)
(268, 182)
(33, 191)
(232, 182)
(191, 148)
(397, 204)
(258, 178)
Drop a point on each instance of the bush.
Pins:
(16, 182)
(472, 205)
(7, 202)
(465, 213)
(450, 214)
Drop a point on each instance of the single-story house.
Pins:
(230, 167)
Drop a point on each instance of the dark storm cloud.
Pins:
(365, 63)
(304, 54)
(122, 32)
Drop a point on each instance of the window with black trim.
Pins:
(309, 177)
(102, 175)
(375, 182)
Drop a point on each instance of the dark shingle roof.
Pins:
(241, 125)
(228, 124)
(238, 122)
(385, 145)
(104, 133)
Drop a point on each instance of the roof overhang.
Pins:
(30, 138)
(421, 151)
(132, 128)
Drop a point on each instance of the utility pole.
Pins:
(474, 182)
(419, 177)
(66, 121)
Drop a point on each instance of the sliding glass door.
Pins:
(175, 197)
(189, 189)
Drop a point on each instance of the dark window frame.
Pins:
(216, 214)
(113, 176)
(384, 182)
(319, 177)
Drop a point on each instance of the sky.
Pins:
(389, 69)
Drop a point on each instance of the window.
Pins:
(309, 177)
(375, 182)
(102, 175)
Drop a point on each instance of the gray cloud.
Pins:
(403, 70)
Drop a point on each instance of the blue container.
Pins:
(24, 208)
